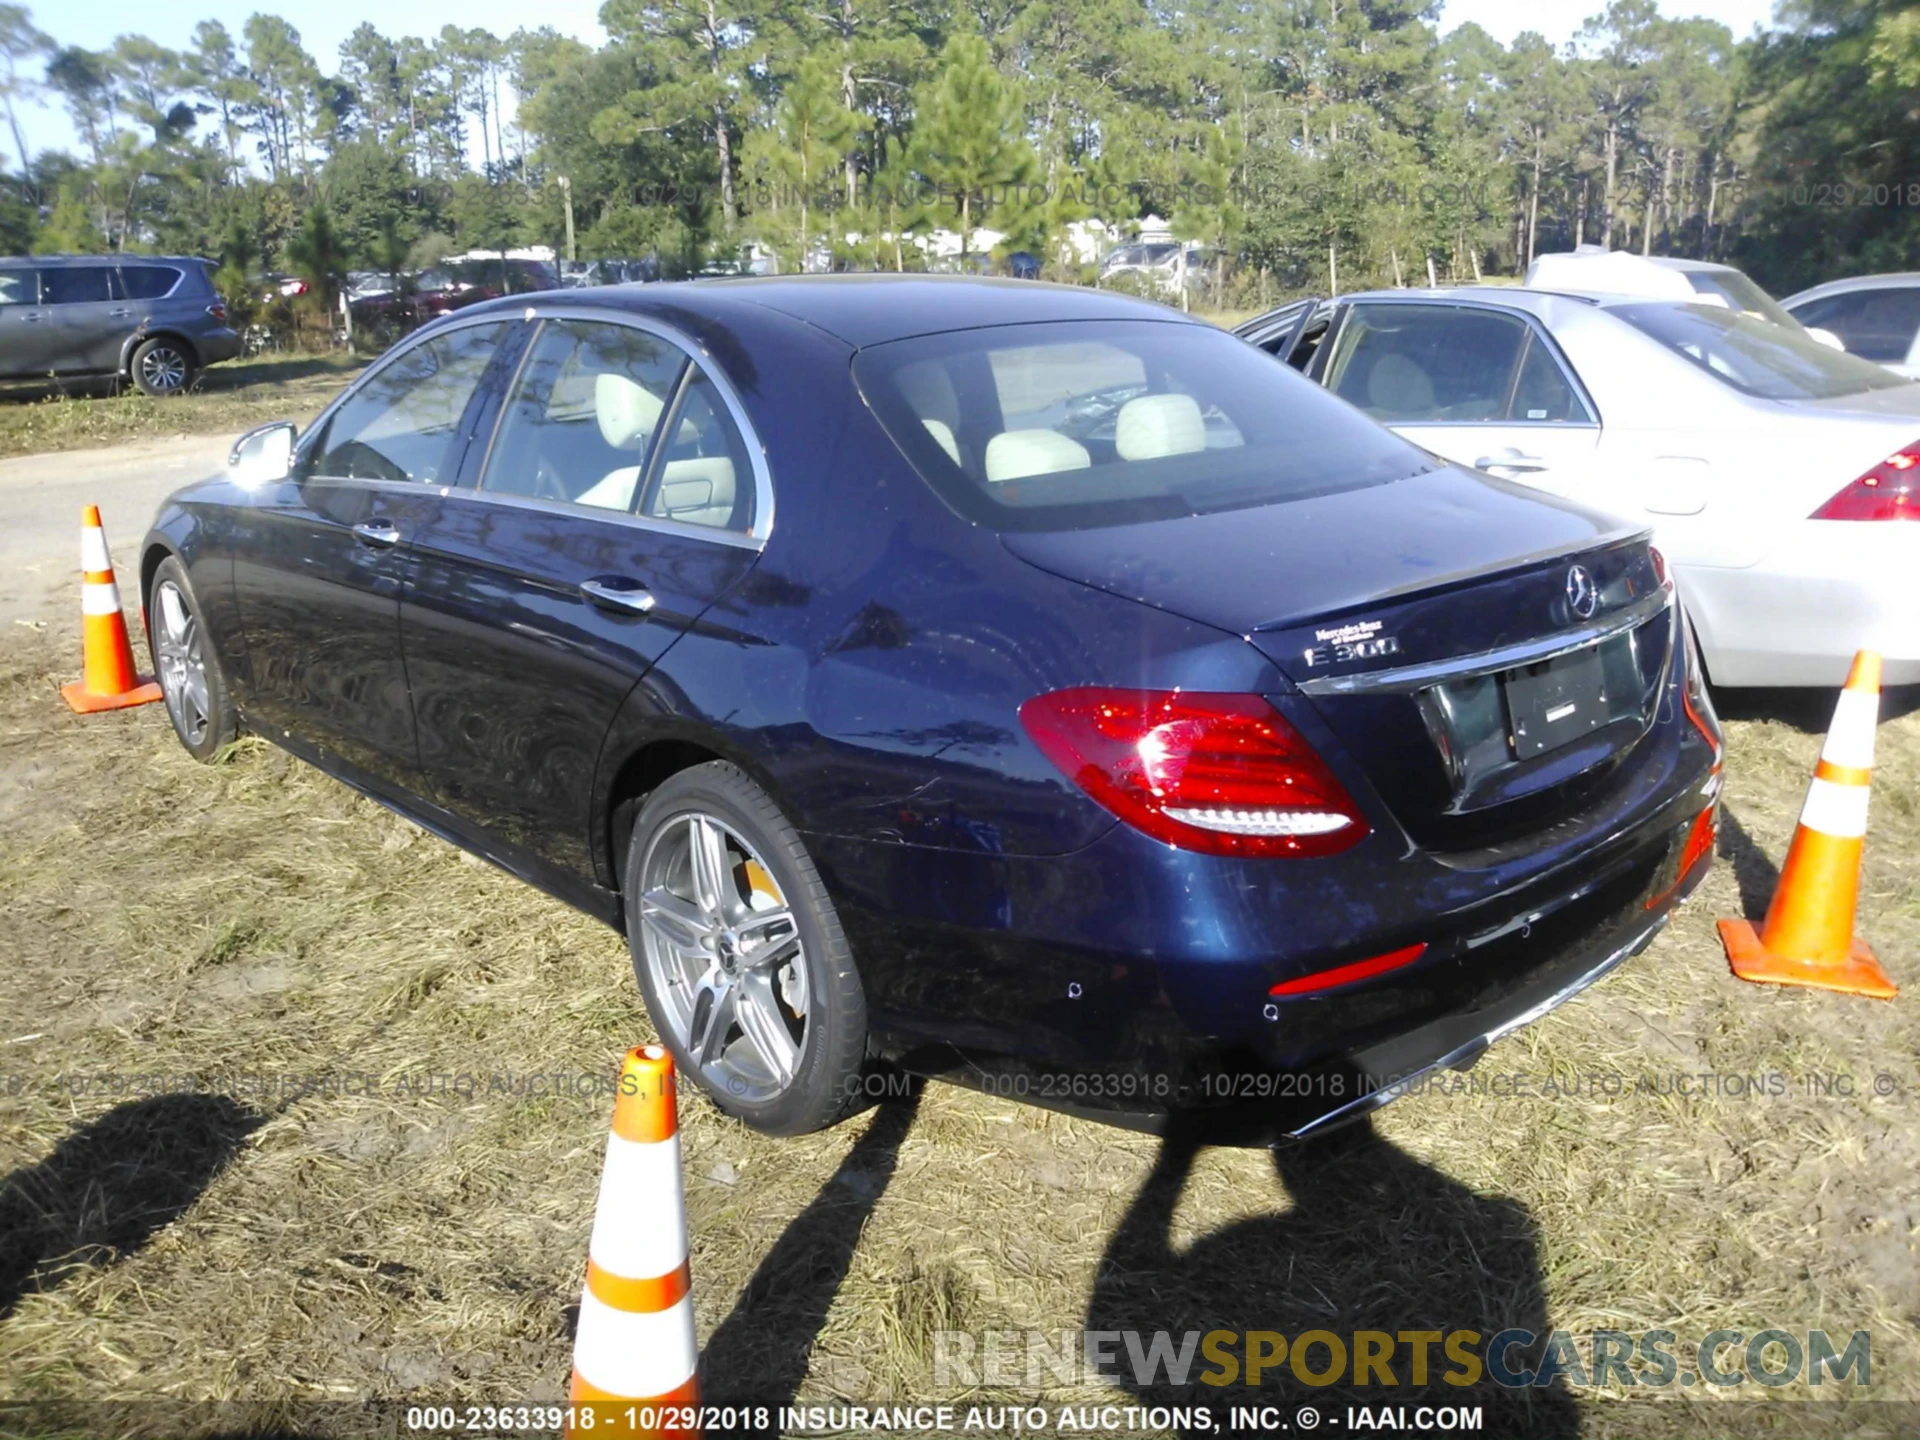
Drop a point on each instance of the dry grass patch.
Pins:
(419, 1236)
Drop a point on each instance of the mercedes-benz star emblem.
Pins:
(1583, 596)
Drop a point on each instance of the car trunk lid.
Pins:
(1437, 625)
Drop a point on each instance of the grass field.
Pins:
(230, 398)
(243, 926)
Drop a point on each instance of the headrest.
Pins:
(1014, 454)
(943, 437)
(1399, 387)
(698, 490)
(1156, 425)
(627, 411)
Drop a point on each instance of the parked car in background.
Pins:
(1591, 270)
(579, 274)
(1876, 317)
(1773, 469)
(154, 320)
(1165, 266)
(792, 627)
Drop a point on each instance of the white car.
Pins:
(1590, 270)
(1776, 473)
(1877, 317)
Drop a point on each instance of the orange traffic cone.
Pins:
(1808, 937)
(111, 682)
(634, 1355)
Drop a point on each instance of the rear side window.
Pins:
(19, 287)
(1877, 325)
(148, 282)
(401, 422)
(1436, 363)
(581, 420)
(1756, 356)
(1070, 426)
(75, 284)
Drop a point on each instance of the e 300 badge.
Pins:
(1361, 641)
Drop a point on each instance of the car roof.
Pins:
(1512, 297)
(1892, 280)
(872, 309)
(43, 262)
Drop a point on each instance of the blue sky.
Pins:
(322, 26)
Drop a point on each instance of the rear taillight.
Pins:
(218, 310)
(1889, 491)
(1660, 571)
(1694, 697)
(1222, 774)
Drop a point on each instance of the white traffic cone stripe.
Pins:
(93, 550)
(98, 597)
(639, 1221)
(1850, 738)
(1836, 810)
(637, 1354)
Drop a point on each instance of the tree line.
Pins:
(1297, 136)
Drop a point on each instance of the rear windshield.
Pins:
(1071, 426)
(1741, 293)
(1756, 356)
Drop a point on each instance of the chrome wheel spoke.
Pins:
(712, 875)
(679, 922)
(713, 1017)
(762, 1023)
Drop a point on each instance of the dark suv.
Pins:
(154, 319)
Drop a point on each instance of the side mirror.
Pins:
(263, 455)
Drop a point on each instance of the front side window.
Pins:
(148, 282)
(1074, 425)
(402, 422)
(75, 285)
(1441, 364)
(1757, 357)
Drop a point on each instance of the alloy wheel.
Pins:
(725, 955)
(182, 663)
(163, 369)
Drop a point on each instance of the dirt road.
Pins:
(40, 500)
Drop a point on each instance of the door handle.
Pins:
(382, 534)
(1519, 464)
(32, 317)
(623, 595)
(119, 314)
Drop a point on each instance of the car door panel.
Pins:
(318, 572)
(29, 334)
(537, 599)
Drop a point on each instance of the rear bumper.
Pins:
(217, 345)
(1798, 616)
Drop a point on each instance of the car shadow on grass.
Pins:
(759, 1354)
(1373, 1240)
(110, 1186)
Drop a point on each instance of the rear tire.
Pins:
(198, 701)
(161, 367)
(740, 954)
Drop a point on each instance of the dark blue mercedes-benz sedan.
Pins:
(1019, 684)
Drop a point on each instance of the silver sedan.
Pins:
(1774, 471)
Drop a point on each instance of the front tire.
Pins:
(162, 367)
(198, 700)
(740, 954)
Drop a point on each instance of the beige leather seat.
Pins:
(627, 412)
(1016, 454)
(1155, 425)
(699, 491)
(1399, 389)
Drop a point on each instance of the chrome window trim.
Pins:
(1527, 318)
(1485, 662)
